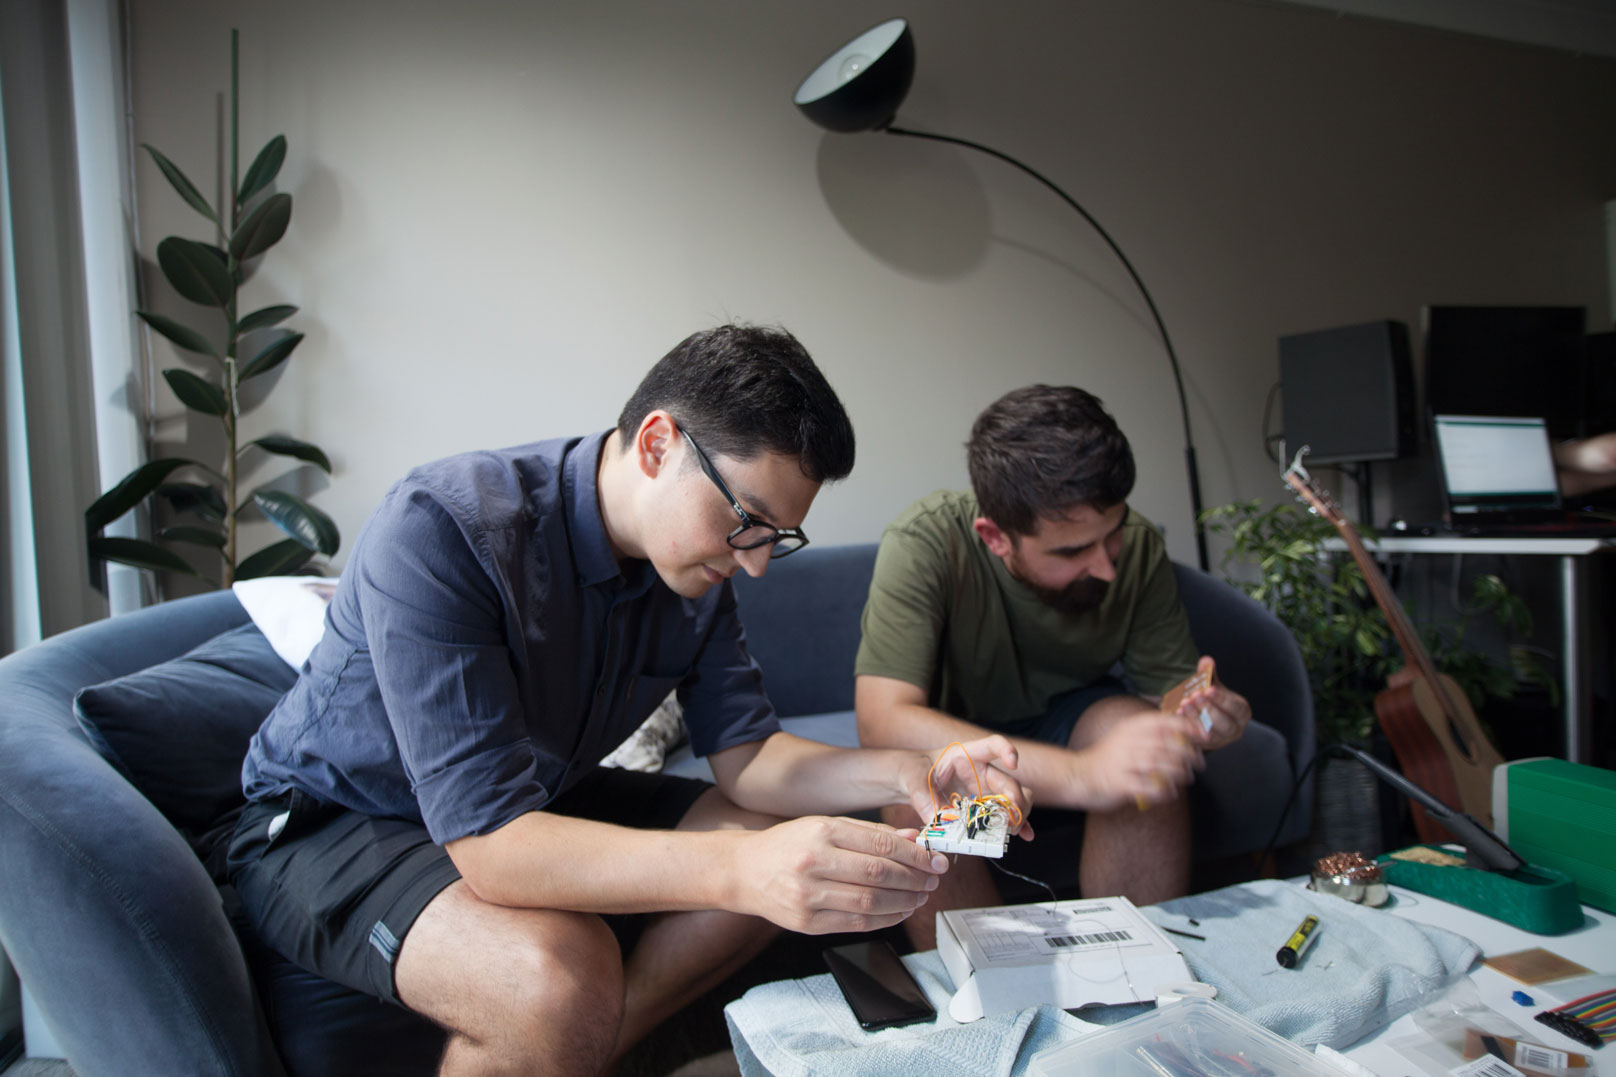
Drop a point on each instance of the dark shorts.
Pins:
(335, 891)
(1033, 860)
(1056, 724)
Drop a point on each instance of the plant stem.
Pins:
(231, 384)
(235, 153)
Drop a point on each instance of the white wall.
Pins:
(505, 212)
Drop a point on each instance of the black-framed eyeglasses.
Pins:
(752, 533)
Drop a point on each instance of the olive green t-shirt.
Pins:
(944, 614)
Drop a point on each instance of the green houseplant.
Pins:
(1276, 555)
(238, 347)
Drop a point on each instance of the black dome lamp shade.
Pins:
(859, 88)
(861, 85)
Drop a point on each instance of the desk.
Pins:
(1576, 698)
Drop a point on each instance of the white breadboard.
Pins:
(976, 827)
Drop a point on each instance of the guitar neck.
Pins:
(1408, 640)
(1403, 630)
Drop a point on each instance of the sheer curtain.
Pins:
(73, 386)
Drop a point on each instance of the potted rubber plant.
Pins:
(206, 500)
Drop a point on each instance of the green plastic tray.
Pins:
(1536, 899)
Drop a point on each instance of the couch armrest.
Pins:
(1257, 657)
(107, 914)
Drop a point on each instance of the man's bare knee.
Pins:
(1103, 716)
(520, 990)
(566, 994)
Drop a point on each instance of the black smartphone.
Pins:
(881, 992)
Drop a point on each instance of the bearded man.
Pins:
(1007, 609)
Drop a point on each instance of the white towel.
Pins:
(797, 1028)
(1366, 967)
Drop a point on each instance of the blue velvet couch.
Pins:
(126, 944)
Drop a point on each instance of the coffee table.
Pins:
(1593, 946)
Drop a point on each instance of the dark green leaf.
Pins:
(263, 169)
(196, 536)
(196, 270)
(196, 393)
(284, 556)
(264, 318)
(262, 228)
(302, 450)
(130, 491)
(141, 554)
(299, 519)
(271, 355)
(183, 335)
(195, 497)
(184, 186)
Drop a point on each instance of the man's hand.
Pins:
(1143, 759)
(952, 772)
(1228, 711)
(818, 875)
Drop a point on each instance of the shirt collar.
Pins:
(591, 550)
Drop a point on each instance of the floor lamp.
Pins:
(859, 88)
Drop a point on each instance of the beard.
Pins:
(1079, 596)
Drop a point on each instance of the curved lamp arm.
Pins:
(1167, 341)
(859, 88)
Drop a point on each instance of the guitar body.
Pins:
(1450, 757)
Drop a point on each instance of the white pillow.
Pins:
(288, 610)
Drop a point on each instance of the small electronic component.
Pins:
(979, 825)
(1590, 1020)
(1199, 681)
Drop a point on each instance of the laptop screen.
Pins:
(1495, 464)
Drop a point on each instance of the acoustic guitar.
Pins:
(1426, 715)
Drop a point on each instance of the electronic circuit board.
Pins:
(1199, 681)
(980, 827)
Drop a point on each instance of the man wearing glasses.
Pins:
(427, 822)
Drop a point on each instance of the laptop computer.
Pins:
(1498, 478)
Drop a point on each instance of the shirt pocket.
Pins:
(644, 693)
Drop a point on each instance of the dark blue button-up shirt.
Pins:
(485, 649)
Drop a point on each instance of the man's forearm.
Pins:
(546, 861)
(1052, 773)
(791, 776)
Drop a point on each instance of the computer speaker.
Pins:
(1349, 392)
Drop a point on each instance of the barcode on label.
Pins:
(1486, 1066)
(1060, 941)
(1531, 1056)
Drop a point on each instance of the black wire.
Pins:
(1284, 814)
(1026, 878)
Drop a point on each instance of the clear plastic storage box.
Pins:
(1193, 1038)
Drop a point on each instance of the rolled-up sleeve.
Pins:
(436, 630)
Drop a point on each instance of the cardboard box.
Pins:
(1067, 954)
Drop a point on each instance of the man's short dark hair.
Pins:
(742, 390)
(1044, 451)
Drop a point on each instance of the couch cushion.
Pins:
(179, 730)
